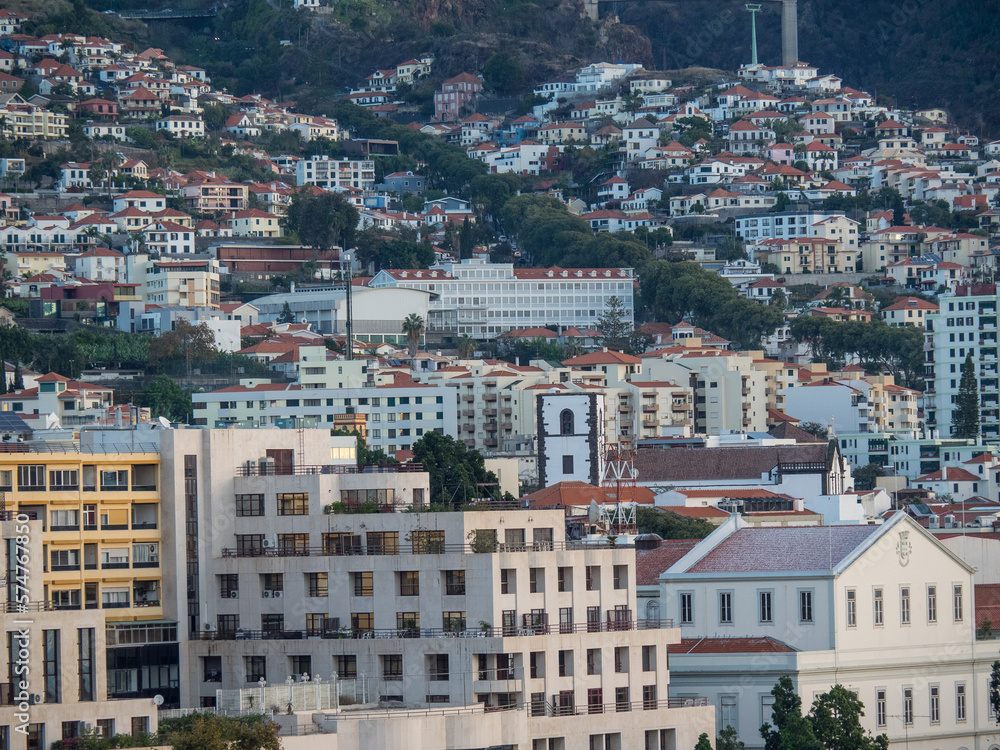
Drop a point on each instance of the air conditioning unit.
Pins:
(88, 727)
(209, 627)
(36, 699)
(277, 594)
(269, 543)
(266, 594)
(234, 594)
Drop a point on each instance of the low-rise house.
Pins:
(182, 126)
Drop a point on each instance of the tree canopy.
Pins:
(457, 473)
(965, 417)
(669, 525)
(322, 221)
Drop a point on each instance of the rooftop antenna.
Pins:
(754, 9)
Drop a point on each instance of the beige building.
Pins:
(175, 280)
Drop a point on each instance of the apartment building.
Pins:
(428, 610)
(184, 280)
(483, 299)
(966, 324)
(872, 404)
(213, 194)
(396, 412)
(56, 655)
(790, 226)
(806, 255)
(729, 392)
(867, 607)
(914, 454)
(100, 550)
(335, 174)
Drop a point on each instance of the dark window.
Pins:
(567, 462)
(249, 505)
(256, 668)
(85, 663)
(50, 666)
(566, 422)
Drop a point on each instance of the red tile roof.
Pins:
(576, 494)
(731, 646)
(650, 563)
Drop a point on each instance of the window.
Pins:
(114, 481)
(595, 701)
(437, 667)
(64, 480)
(566, 422)
(301, 665)
(725, 607)
(64, 520)
(249, 544)
(564, 579)
(649, 658)
(409, 583)
(567, 464)
(805, 606)
(255, 667)
(537, 707)
(904, 605)
(453, 620)
(507, 580)
(85, 663)
(877, 607)
(956, 598)
(427, 542)
(621, 659)
(620, 577)
(880, 715)
(383, 542)
(593, 578)
(566, 663)
(536, 580)
(932, 604)
(454, 583)
(249, 505)
(362, 583)
(593, 661)
(649, 697)
(346, 666)
(687, 608)
(293, 504)
(293, 544)
(536, 664)
(960, 702)
(852, 608)
(727, 712)
(31, 478)
(593, 619)
(907, 706)
(565, 619)
(935, 704)
(362, 622)
(317, 584)
(764, 614)
(272, 624)
(227, 624)
(621, 700)
(392, 667)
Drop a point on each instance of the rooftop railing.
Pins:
(261, 469)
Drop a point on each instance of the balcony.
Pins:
(490, 412)
(680, 406)
(506, 411)
(468, 397)
(624, 408)
(468, 413)
(490, 396)
(649, 408)
(255, 469)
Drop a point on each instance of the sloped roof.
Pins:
(765, 645)
(650, 563)
(785, 549)
(680, 464)
(577, 494)
(603, 358)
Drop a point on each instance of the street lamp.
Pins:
(350, 315)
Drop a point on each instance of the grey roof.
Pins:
(787, 549)
(692, 464)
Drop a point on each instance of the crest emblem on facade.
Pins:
(903, 548)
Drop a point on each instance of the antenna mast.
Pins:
(618, 480)
(754, 9)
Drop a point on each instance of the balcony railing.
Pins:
(614, 706)
(255, 469)
(431, 547)
(509, 631)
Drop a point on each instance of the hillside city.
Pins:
(687, 376)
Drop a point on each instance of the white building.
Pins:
(787, 226)
(570, 438)
(886, 611)
(484, 299)
(336, 174)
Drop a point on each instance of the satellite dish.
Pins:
(164, 423)
(594, 512)
(157, 700)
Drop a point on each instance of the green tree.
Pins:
(836, 722)
(286, 315)
(165, 398)
(209, 732)
(17, 384)
(965, 418)
(503, 73)
(186, 341)
(865, 476)
(728, 739)
(466, 346)
(322, 221)
(788, 728)
(613, 327)
(815, 428)
(457, 472)
(704, 743)
(413, 329)
(670, 525)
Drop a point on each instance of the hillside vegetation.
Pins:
(919, 53)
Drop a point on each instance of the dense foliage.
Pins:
(669, 525)
(457, 473)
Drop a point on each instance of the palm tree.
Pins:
(413, 328)
(466, 346)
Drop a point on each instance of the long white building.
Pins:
(484, 299)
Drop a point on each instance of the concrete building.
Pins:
(183, 280)
(787, 226)
(570, 438)
(426, 610)
(872, 404)
(965, 325)
(335, 174)
(484, 299)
